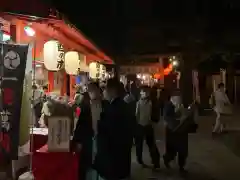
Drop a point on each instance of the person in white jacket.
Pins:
(222, 107)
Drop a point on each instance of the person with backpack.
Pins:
(144, 129)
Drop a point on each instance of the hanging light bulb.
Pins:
(175, 63)
(29, 31)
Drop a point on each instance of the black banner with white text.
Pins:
(12, 72)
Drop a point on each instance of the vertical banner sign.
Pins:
(59, 134)
(98, 70)
(61, 56)
(12, 71)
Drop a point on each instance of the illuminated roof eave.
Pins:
(56, 20)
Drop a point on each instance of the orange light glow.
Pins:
(166, 71)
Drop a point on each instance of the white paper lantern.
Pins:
(94, 70)
(53, 55)
(72, 62)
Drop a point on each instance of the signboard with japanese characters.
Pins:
(61, 56)
(102, 71)
(94, 70)
(12, 71)
(53, 55)
(59, 134)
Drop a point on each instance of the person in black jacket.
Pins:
(82, 138)
(115, 136)
(176, 142)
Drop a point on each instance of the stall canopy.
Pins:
(52, 24)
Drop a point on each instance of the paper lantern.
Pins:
(94, 70)
(53, 55)
(72, 62)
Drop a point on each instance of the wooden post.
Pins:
(230, 83)
(186, 83)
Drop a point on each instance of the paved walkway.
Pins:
(209, 159)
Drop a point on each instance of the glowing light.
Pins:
(138, 76)
(38, 65)
(6, 37)
(175, 63)
(157, 76)
(143, 77)
(29, 31)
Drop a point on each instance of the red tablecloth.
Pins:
(5, 143)
(55, 166)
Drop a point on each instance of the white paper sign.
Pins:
(59, 134)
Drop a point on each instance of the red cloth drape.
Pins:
(55, 165)
(5, 143)
(50, 81)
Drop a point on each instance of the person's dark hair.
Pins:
(220, 85)
(85, 99)
(176, 92)
(145, 89)
(45, 87)
(34, 86)
(115, 85)
(93, 85)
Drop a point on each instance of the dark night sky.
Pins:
(107, 22)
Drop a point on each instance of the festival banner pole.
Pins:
(12, 68)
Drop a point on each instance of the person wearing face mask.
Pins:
(114, 136)
(144, 129)
(176, 143)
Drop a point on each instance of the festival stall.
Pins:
(57, 53)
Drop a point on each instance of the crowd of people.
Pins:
(114, 117)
